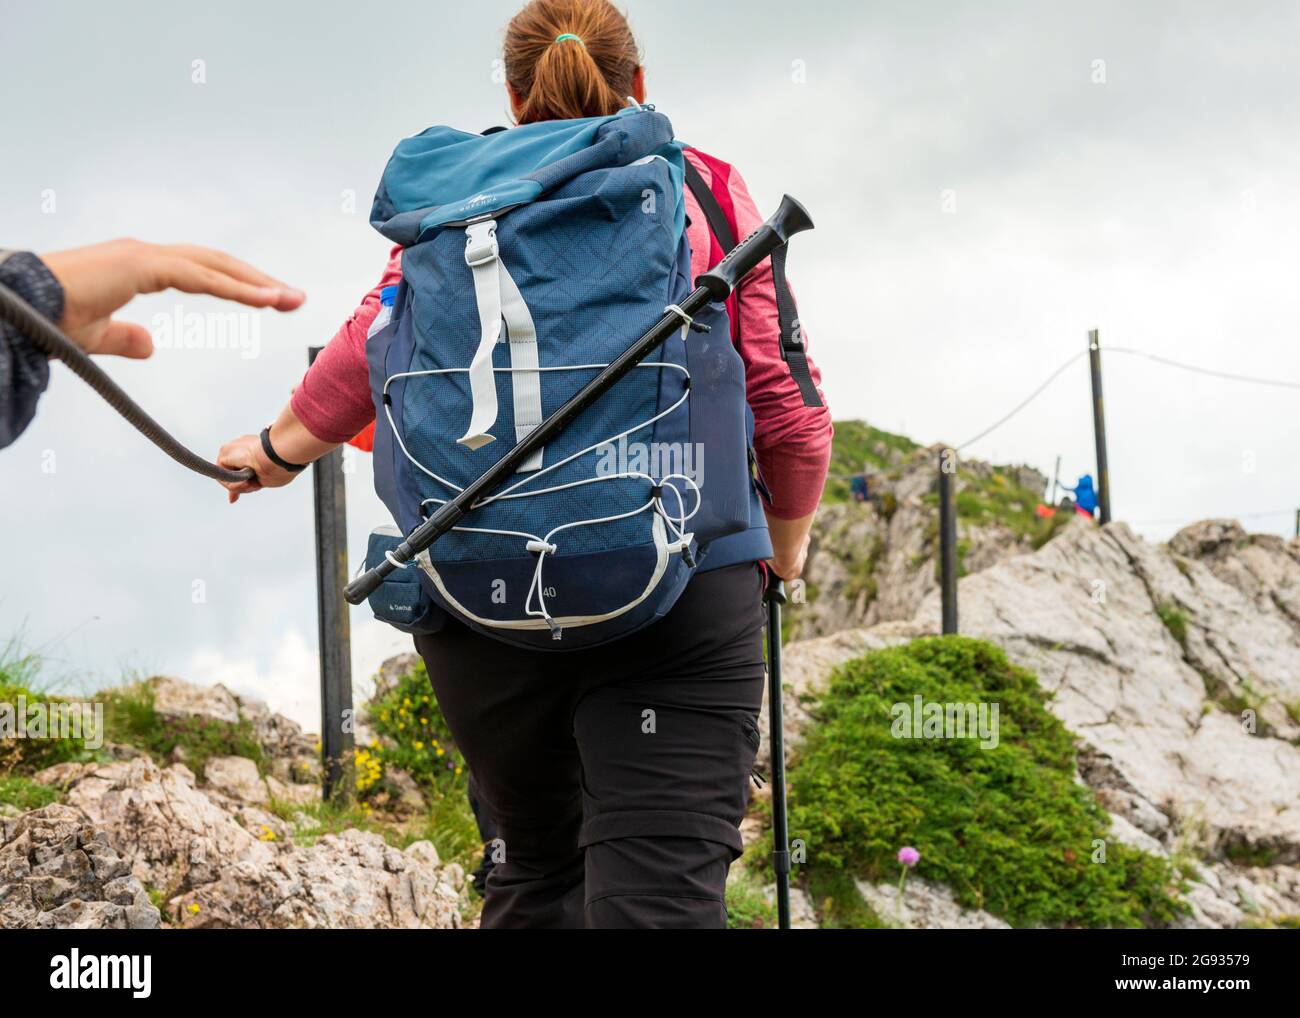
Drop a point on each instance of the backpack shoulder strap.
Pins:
(719, 224)
(724, 232)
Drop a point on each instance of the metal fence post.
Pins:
(1099, 426)
(337, 742)
(948, 537)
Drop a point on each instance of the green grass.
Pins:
(1244, 853)
(1000, 499)
(1007, 829)
(20, 677)
(21, 791)
(748, 908)
(1174, 620)
(855, 444)
(313, 820)
(838, 904)
(130, 718)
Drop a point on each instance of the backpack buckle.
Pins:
(481, 243)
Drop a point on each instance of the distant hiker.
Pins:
(860, 486)
(616, 772)
(1085, 495)
(79, 290)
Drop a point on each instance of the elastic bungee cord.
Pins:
(51, 341)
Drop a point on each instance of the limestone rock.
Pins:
(349, 880)
(171, 834)
(925, 905)
(58, 872)
(869, 564)
(235, 776)
(173, 698)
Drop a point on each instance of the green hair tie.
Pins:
(569, 35)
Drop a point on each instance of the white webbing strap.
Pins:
(525, 379)
(481, 257)
(498, 297)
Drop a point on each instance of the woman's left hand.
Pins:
(290, 440)
(246, 451)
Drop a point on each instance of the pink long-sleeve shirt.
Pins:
(793, 441)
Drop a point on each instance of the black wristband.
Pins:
(274, 457)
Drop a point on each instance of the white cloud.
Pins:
(289, 680)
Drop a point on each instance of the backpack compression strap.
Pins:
(499, 299)
(723, 230)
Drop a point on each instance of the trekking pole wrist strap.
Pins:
(275, 457)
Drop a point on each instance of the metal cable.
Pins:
(53, 343)
(1024, 403)
(1202, 371)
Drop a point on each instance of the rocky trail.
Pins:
(1176, 667)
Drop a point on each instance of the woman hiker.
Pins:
(601, 823)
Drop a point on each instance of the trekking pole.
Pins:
(51, 341)
(715, 285)
(776, 740)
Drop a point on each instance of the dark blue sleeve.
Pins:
(24, 370)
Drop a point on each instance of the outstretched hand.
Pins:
(99, 279)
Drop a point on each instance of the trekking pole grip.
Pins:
(790, 218)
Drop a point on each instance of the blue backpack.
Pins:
(532, 258)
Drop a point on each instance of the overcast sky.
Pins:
(989, 182)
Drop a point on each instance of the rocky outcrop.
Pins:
(222, 861)
(219, 850)
(349, 880)
(58, 871)
(875, 562)
(925, 905)
(172, 835)
(290, 753)
(1177, 666)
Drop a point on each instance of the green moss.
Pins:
(1007, 829)
(855, 444)
(1174, 620)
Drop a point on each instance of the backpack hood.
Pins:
(444, 177)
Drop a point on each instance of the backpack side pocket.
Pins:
(401, 599)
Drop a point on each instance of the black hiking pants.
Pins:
(616, 776)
